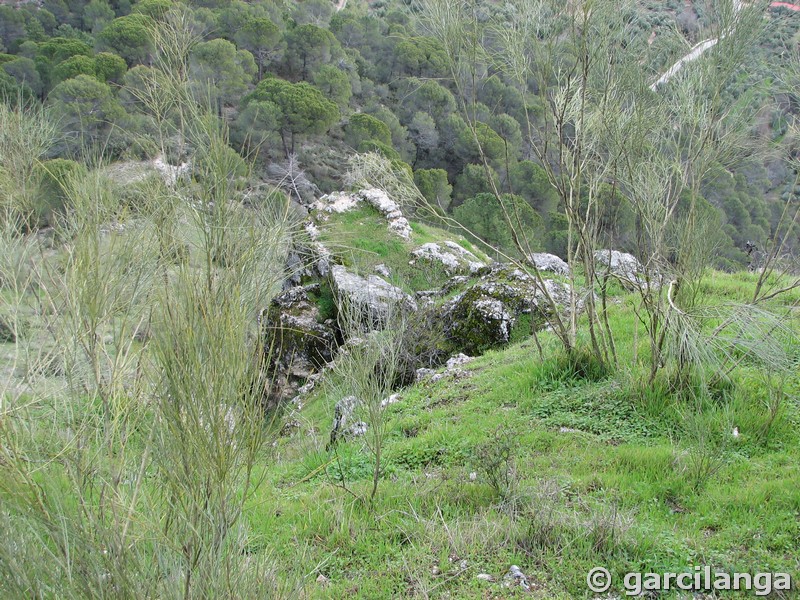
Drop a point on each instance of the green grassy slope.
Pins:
(361, 239)
(603, 472)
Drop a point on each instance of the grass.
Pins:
(605, 474)
(597, 468)
(362, 240)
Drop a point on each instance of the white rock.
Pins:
(423, 373)
(550, 262)
(458, 360)
(383, 271)
(484, 577)
(341, 202)
(391, 210)
(312, 231)
(626, 267)
(515, 576)
(494, 310)
(169, 172)
(373, 294)
(393, 399)
(336, 202)
(451, 255)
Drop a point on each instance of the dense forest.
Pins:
(318, 81)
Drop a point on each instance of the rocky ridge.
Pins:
(478, 307)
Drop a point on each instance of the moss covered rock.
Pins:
(299, 339)
(484, 314)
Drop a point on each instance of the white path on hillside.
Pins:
(340, 5)
(693, 54)
(696, 52)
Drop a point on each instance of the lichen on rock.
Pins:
(454, 258)
(484, 314)
(373, 296)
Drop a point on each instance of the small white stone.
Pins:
(393, 399)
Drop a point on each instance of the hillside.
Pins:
(550, 464)
(396, 299)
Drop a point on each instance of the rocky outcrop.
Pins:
(320, 259)
(483, 315)
(336, 203)
(373, 296)
(550, 263)
(621, 265)
(299, 343)
(454, 258)
(341, 202)
(398, 224)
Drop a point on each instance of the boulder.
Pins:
(372, 295)
(454, 258)
(550, 263)
(625, 267)
(298, 341)
(484, 314)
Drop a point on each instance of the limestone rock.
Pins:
(299, 342)
(454, 258)
(383, 271)
(484, 314)
(458, 360)
(341, 202)
(344, 423)
(336, 203)
(515, 577)
(373, 296)
(550, 263)
(626, 267)
(452, 370)
(391, 210)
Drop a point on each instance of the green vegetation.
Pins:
(363, 240)
(160, 163)
(601, 470)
